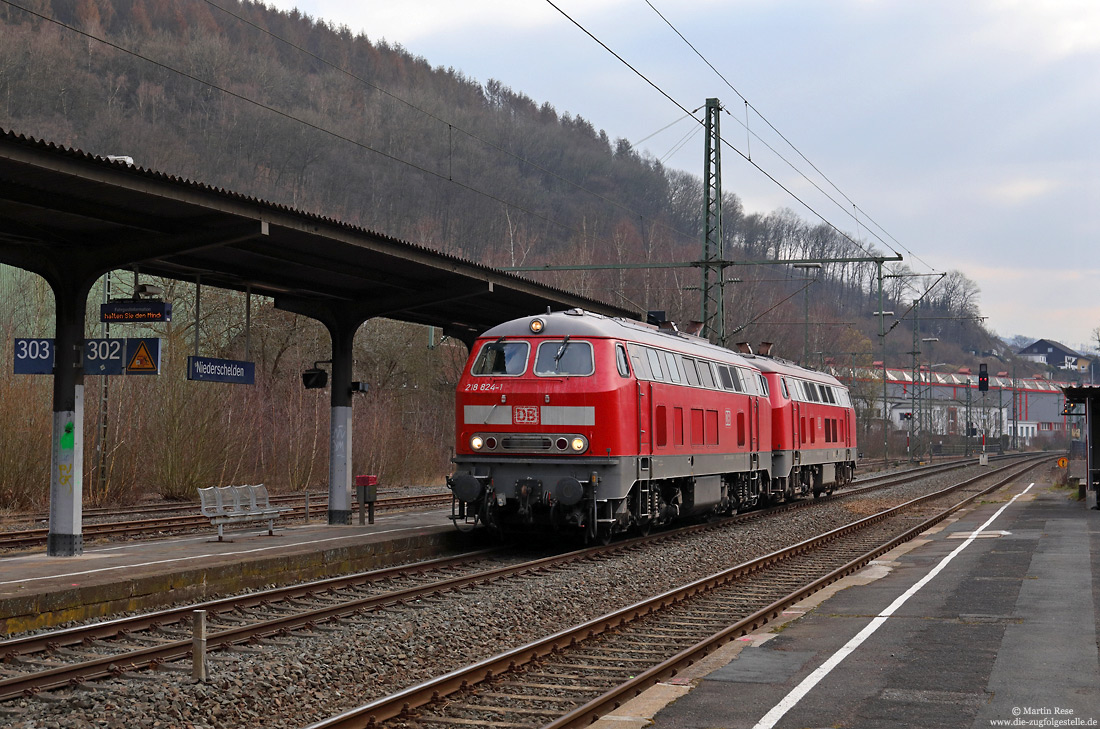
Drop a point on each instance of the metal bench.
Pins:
(238, 504)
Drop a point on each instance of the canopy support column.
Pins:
(66, 537)
(342, 320)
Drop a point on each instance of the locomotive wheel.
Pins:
(594, 533)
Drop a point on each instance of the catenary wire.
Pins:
(790, 144)
(737, 151)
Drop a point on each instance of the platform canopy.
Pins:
(70, 217)
(1089, 395)
(56, 203)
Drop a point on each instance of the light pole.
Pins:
(806, 309)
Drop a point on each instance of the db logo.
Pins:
(527, 415)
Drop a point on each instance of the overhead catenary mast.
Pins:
(713, 261)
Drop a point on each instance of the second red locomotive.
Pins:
(581, 422)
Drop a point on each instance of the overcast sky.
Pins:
(967, 129)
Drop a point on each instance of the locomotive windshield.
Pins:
(501, 358)
(564, 357)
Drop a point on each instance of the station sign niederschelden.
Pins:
(131, 356)
(211, 369)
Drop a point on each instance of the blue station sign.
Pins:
(33, 356)
(211, 369)
(129, 312)
(138, 356)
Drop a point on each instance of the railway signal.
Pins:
(983, 377)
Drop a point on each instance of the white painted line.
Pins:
(790, 700)
(70, 575)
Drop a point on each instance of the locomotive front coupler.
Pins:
(529, 491)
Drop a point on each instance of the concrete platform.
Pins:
(1005, 631)
(38, 591)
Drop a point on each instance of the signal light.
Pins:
(983, 377)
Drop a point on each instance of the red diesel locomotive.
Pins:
(580, 422)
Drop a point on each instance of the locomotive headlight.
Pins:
(477, 443)
(537, 325)
(578, 444)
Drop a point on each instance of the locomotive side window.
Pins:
(501, 358)
(783, 387)
(673, 367)
(829, 393)
(747, 384)
(724, 376)
(564, 357)
(621, 361)
(706, 376)
(654, 364)
(691, 372)
(763, 385)
(736, 379)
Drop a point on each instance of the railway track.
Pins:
(159, 526)
(119, 522)
(69, 658)
(615, 657)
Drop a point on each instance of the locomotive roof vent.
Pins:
(694, 327)
(667, 326)
(744, 348)
(765, 349)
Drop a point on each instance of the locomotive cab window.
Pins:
(508, 359)
(564, 357)
(621, 360)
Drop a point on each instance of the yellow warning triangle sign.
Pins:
(142, 361)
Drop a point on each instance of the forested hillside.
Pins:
(286, 108)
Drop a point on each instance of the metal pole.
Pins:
(882, 338)
(806, 324)
(247, 320)
(968, 415)
(198, 302)
(198, 645)
(1015, 412)
(101, 436)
